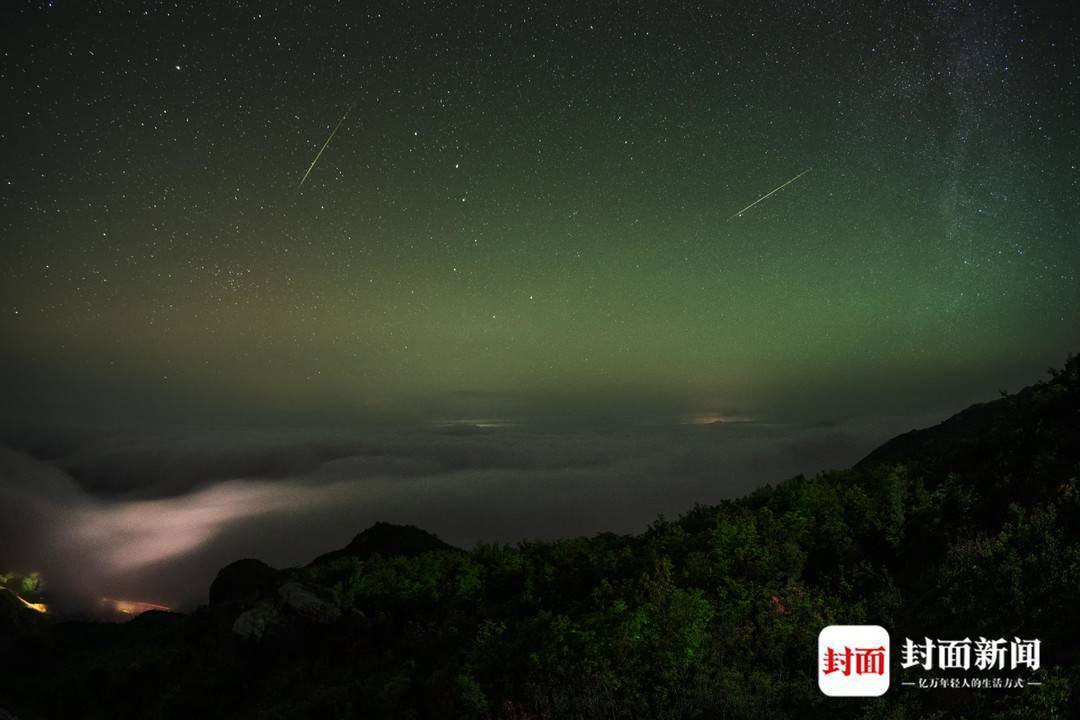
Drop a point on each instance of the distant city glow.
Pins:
(716, 419)
(485, 423)
(131, 607)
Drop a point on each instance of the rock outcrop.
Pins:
(243, 583)
(254, 623)
(305, 603)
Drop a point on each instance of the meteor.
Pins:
(739, 214)
(319, 154)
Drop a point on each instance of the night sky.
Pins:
(527, 218)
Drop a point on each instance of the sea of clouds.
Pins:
(152, 515)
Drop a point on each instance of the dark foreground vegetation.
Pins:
(967, 529)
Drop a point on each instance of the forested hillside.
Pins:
(970, 528)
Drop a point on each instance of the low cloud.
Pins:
(152, 517)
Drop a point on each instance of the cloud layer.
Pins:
(152, 516)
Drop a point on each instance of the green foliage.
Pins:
(712, 615)
(32, 584)
(29, 586)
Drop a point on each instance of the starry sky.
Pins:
(534, 285)
(527, 209)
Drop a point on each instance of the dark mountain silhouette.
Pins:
(1039, 421)
(967, 529)
(389, 540)
(938, 443)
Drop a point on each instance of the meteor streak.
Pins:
(319, 154)
(739, 214)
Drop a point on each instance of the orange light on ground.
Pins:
(36, 607)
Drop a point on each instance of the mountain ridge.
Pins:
(969, 527)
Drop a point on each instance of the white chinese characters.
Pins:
(982, 654)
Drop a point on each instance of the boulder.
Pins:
(243, 583)
(306, 604)
(254, 623)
